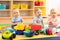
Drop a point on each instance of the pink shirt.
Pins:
(54, 21)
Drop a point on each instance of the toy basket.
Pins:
(16, 6)
(2, 6)
(24, 6)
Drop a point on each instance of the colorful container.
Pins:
(19, 27)
(19, 32)
(36, 27)
(29, 34)
(16, 6)
(24, 6)
(41, 3)
(2, 6)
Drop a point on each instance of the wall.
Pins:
(53, 4)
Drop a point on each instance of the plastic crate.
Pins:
(16, 6)
(2, 6)
(24, 6)
(39, 3)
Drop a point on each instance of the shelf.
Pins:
(5, 10)
(27, 17)
(5, 0)
(5, 18)
(39, 6)
(22, 0)
(26, 9)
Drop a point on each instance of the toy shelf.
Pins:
(39, 6)
(27, 9)
(42, 5)
(5, 10)
(22, 0)
(5, 0)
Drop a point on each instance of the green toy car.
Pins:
(8, 34)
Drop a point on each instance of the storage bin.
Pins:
(39, 3)
(16, 6)
(29, 34)
(2, 6)
(24, 6)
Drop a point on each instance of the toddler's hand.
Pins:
(50, 23)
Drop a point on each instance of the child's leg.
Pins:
(54, 30)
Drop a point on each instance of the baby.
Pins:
(16, 19)
(53, 21)
(38, 18)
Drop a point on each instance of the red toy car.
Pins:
(36, 27)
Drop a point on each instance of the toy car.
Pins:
(8, 34)
(36, 28)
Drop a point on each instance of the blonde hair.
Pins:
(52, 10)
(38, 10)
(16, 10)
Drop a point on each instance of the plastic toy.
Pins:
(19, 32)
(47, 32)
(16, 6)
(36, 28)
(28, 28)
(44, 32)
(24, 6)
(19, 29)
(29, 34)
(39, 3)
(28, 31)
(8, 33)
(1, 28)
(38, 32)
(2, 6)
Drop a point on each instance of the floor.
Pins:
(21, 37)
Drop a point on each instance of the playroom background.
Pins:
(27, 10)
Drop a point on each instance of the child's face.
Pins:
(53, 14)
(15, 14)
(38, 13)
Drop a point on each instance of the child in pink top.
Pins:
(53, 21)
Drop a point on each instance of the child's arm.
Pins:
(34, 21)
(13, 21)
(55, 23)
(21, 20)
(50, 22)
(42, 23)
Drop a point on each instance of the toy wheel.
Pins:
(37, 32)
(11, 38)
(3, 37)
(14, 35)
